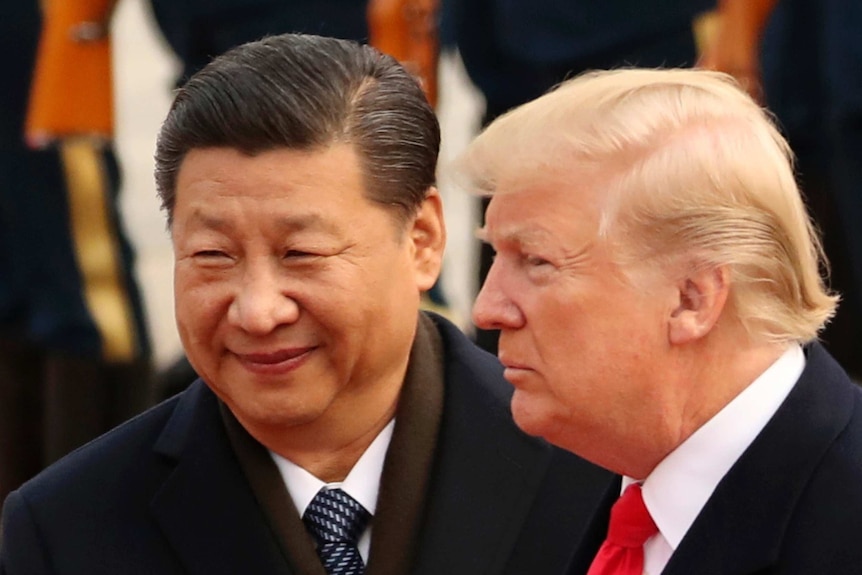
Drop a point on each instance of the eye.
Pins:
(534, 261)
(210, 254)
(298, 254)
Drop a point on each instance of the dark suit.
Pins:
(792, 504)
(167, 493)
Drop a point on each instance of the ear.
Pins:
(702, 296)
(428, 239)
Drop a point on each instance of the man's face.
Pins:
(581, 345)
(296, 296)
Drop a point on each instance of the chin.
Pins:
(527, 420)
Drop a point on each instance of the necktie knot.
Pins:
(622, 553)
(333, 516)
(631, 524)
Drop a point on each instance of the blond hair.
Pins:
(688, 164)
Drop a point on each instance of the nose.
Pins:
(493, 309)
(261, 304)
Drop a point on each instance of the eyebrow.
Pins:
(519, 236)
(289, 224)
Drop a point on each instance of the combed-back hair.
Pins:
(307, 92)
(689, 168)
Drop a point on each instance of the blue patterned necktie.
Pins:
(336, 521)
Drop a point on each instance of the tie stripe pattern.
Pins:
(336, 521)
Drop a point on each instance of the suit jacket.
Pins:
(165, 493)
(792, 503)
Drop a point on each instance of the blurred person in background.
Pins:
(74, 351)
(199, 30)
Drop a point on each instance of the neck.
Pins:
(712, 373)
(721, 376)
(333, 465)
(330, 445)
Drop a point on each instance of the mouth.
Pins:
(511, 363)
(275, 362)
(513, 369)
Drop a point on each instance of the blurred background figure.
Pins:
(198, 30)
(409, 31)
(515, 51)
(803, 59)
(74, 350)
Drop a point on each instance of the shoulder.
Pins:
(841, 465)
(823, 417)
(119, 462)
(828, 515)
(97, 499)
(825, 526)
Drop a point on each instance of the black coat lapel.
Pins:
(597, 530)
(205, 508)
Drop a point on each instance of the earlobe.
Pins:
(702, 296)
(428, 237)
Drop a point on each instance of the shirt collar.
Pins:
(362, 483)
(678, 488)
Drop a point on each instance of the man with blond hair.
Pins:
(657, 286)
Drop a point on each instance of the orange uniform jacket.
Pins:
(72, 83)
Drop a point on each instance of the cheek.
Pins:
(199, 305)
(560, 326)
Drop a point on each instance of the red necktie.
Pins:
(622, 553)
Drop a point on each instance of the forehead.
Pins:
(330, 173)
(226, 189)
(540, 214)
(333, 163)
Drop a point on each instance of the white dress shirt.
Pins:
(678, 488)
(362, 483)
